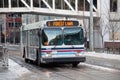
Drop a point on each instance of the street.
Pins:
(84, 71)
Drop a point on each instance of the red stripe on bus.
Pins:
(62, 50)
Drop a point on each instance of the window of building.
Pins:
(58, 4)
(95, 3)
(14, 3)
(113, 5)
(21, 4)
(10, 15)
(17, 24)
(14, 15)
(3, 3)
(10, 24)
(36, 3)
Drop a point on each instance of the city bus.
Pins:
(54, 41)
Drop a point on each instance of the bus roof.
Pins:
(35, 25)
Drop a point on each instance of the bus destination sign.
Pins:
(62, 23)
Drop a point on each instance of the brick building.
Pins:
(10, 28)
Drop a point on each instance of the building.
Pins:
(104, 24)
(105, 15)
(13, 24)
(110, 20)
(10, 27)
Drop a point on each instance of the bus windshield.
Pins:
(73, 36)
(52, 36)
(69, 36)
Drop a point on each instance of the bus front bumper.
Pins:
(64, 60)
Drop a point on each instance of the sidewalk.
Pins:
(103, 59)
(103, 55)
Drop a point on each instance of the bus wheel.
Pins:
(26, 60)
(23, 53)
(24, 56)
(75, 64)
(38, 63)
(38, 59)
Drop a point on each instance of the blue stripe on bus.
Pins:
(61, 48)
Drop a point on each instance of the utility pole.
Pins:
(91, 27)
(5, 32)
(0, 32)
(21, 42)
(14, 28)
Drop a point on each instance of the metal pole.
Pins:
(21, 34)
(5, 31)
(14, 29)
(91, 27)
(21, 42)
(0, 32)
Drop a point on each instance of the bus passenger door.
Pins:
(38, 56)
(33, 43)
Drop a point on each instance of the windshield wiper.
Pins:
(57, 43)
(72, 45)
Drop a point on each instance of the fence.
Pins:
(112, 46)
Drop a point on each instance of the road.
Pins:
(84, 71)
(111, 63)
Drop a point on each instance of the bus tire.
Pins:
(75, 64)
(23, 53)
(26, 60)
(38, 59)
(24, 56)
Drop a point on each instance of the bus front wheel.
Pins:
(38, 59)
(75, 64)
(26, 60)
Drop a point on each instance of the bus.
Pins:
(54, 41)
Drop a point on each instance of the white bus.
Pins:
(54, 41)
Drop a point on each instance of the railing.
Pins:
(51, 7)
(112, 46)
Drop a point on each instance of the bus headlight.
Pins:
(47, 55)
(82, 53)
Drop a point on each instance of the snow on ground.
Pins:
(16, 68)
